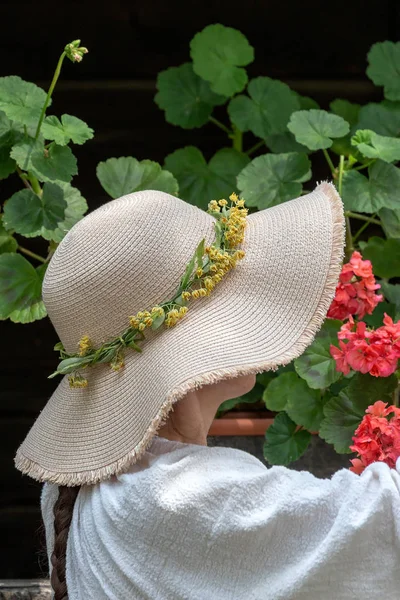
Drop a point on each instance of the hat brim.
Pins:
(262, 315)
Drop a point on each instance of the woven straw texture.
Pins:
(129, 255)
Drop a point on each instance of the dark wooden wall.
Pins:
(318, 47)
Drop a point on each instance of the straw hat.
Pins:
(129, 255)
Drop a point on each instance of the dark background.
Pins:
(319, 48)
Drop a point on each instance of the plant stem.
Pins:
(396, 397)
(31, 254)
(349, 240)
(255, 147)
(349, 213)
(220, 125)
(341, 169)
(237, 138)
(49, 93)
(359, 232)
(368, 164)
(24, 178)
(35, 185)
(328, 160)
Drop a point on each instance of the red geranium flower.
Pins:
(377, 438)
(355, 292)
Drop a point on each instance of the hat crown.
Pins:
(126, 256)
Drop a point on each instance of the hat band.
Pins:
(204, 271)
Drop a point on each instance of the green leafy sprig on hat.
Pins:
(206, 268)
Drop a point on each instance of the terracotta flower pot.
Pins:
(241, 423)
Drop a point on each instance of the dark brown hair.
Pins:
(63, 509)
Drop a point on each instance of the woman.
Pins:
(136, 506)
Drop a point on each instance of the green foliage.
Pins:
(187, 99)
(376, 318)
(21, 100)
(69, 129)
(47, 210)
(383, 118)
(218, 55)
(27, 213)
(392, 294)
(200, 181)
(55, 163)
(384, 255)
(290, 393)
(369, 194)
(124, 175)
(74, 211)
(343, 413)
(345, 109)
(316, 364)
(283, 442)
(21, 289)
(384, 68)
(7, 242)
(373, 145)
(390, 220)
(274, 178)
(267, 110)
(316, 129)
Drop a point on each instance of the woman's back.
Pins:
(189, 522)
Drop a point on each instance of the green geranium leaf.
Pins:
(283, 444)
(383, 118)
(369, 195)
(343, 414)
(21, 289)
(125, 175)
(74, 211)
(345, 109)
(199, 181)
(373, 145)
(26, 213)
(22, 152)
(57, 163)
(376, 318)
(268, 109)
(277, 393)
(384, 68)
(21, 100)
(218, 55)
(384, 255)
(69, 129)
(392, 294)
(290, 393)
(305, 102)
(186, 98)
(316, 364)
(317, 128)
(350, 113)
(282, 143)
(7, 164)
(271, 179)
(7, 242)
(390, 220)
(364, 389)
(341, 419)
(250, 398)
(305, 406)
(5, 127)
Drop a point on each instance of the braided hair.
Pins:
(63, 509)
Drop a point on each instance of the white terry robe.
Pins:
(191, 522)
